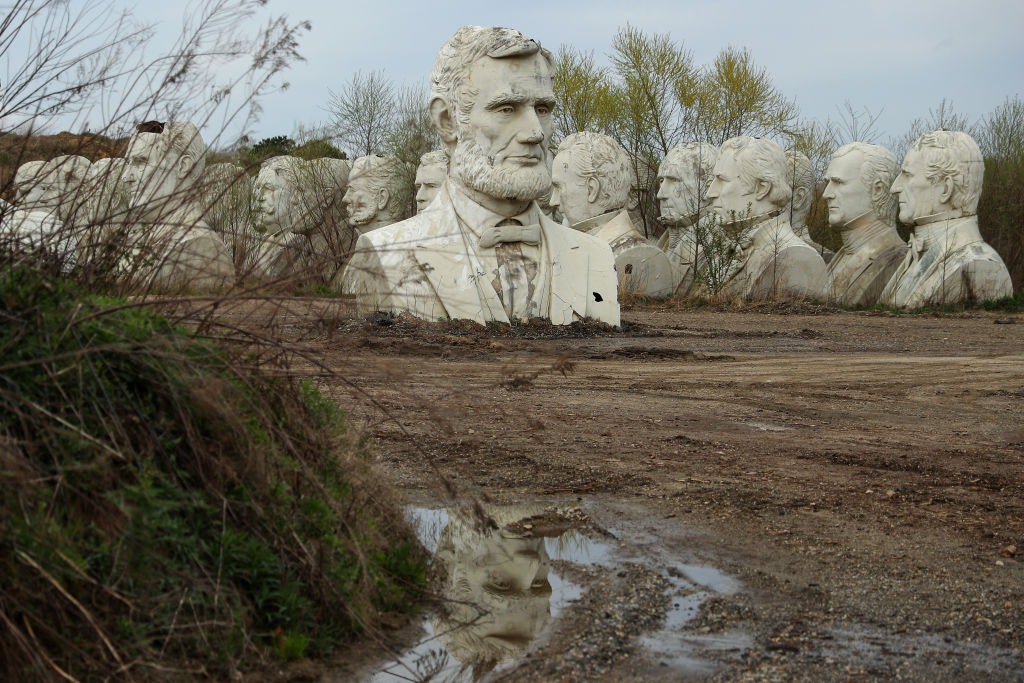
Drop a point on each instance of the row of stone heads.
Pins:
(756, 197)
(73, 208)
(151, 213)
(734, 217)
(729, 213)
(154, 181)
(721, 206)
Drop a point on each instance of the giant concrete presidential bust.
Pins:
(49, 204)
(431, 174)
(948, 262)
(591, 181)
(174, 250)
(750, 195)
(683, 179)
(374, 194)
(802, 180)
(483, 250)
(860, 205)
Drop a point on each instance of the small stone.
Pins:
(1008, 551)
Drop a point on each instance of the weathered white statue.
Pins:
(591, 183)
(105, 210)
(801, 177)
(305, 234)
(948, 262)
(484, 251)
(374, 194)
(281, 214)
(28, 175)
(430, 176)
(495, 583)
(59, 189)
(750, 195)
(51, 199)
(862, 207)
(173, 248)
(683, 179)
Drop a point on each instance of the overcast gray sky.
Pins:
(898, 57)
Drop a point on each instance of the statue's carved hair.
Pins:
(595, 155)
(954, 154)
(761, 159)
(457, 56)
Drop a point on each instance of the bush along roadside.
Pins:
(169, 509)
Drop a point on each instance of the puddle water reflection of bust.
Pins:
(496, 585)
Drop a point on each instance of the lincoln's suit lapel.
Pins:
(451, 265)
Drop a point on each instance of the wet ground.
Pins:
(850, 484)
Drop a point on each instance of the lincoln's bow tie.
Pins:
(510, 232)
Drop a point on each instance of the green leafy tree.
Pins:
(318, 148)
(656, 77)
(588, 98)
(270, 147)
(1001, 208)
(735, 96)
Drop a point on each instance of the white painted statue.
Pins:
(374, 194)
(105, 212)
(750, 195)
(485, 251)
(59, 187)
(305, 234)
(683, 179)
(278, 190)
(591, 184)
(801, 178)
(862, 207)
(50, 203)
(28, 175)
(173, 250)
(430, 176)
(948, 262)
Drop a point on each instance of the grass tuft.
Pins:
(167, 506)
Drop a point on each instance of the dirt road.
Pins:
(860, 475)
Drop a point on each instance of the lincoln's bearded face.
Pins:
(476, 170)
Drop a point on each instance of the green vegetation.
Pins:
(167, 507)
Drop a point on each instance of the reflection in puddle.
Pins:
(499, 588)
(501, 592)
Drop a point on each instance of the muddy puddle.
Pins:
(503, 591)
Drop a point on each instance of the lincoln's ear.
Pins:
(184, 166)
(593, 189)
(444, 120)
(382, 198)
(945, 189)
(762, 189)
